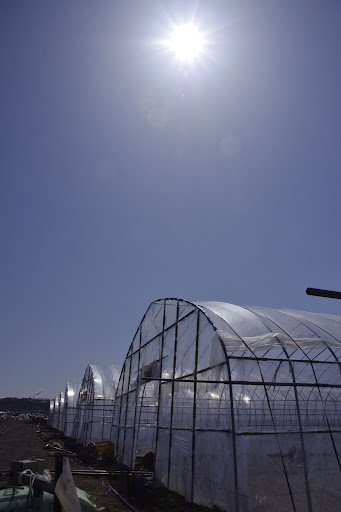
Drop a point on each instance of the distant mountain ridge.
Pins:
(25, 405)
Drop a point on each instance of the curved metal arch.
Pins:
(258, 314)
(226, 359)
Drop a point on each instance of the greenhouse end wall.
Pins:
(95, 404)
(51, 413)
(55, 415)
(69, 410)
(240, 406)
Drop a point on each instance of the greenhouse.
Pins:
(94, 409)
(69, 410)
(55, 416)
(238, 405)
(51, 412)
(60, 424)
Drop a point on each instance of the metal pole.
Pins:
(323, 293)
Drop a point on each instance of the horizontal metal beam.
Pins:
(250, 432)
(249, 383)
(100, 472)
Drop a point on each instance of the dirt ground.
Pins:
(28, 441)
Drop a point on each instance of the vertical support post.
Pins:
(305, 469)
(137, 393)
(233, 431)
(92, 407)
(195, 385)
(126, 412)
(120, 411)
(172, 397)
(103, 401)
(160, 382)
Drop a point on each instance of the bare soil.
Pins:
(28, 441)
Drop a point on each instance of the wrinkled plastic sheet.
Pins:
(272, 339)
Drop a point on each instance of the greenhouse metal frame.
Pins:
(239, 405)
(61, 403)
(55, 416)
(51, 413)
(69, 409)
(95, 404)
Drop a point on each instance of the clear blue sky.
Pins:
(124, 180)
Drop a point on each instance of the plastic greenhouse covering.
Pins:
(94, 409)
(60, 425)
(50, 418)
(56, 412)
(240, 405)
(55, 415)
(69, 409)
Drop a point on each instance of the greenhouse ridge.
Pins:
(237, 406)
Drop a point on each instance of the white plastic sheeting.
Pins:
(69, 410)
(95, 404)
(60, 424)
(240, 405)
(51, 411)
(55, 417)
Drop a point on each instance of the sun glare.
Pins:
(186, 42)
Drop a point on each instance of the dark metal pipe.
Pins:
(323, 293)
(120, 497)
(256, 382)
(99, 472)
(59, 449)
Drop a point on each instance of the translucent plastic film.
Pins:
(237, 407)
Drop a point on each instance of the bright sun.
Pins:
(186, 42)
